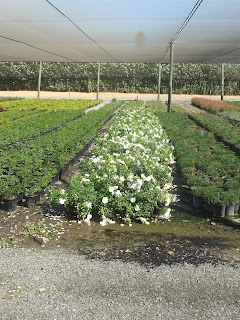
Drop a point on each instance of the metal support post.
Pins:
(39, 79)
(222, 86)
(159, 79)
(98, 79)
(170, 77)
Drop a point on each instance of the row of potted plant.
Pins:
(232, 116)
(27, 107)
(128, 175)
(29, 166)
(38, 123)
(48, 104)
(13, 115)
(212, 105)
(224, 130)
(160, 106)
(209, 169)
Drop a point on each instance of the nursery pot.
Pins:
(208, 207)
(11, 203)
(197, 201)
(55, 178)
(236, 208)
(63, 171)
(31, 200)
(230, 210)
(218, 210)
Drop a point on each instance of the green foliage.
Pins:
(205, 163)
(220, 126)
(3, 243)
(39, 229)
(30, 164)
(119, 77)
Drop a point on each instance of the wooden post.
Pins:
(98, 79)
(159, 79)
(170, 77)
(39, 79)
(222, 83)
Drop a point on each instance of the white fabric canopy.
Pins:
(119, 30)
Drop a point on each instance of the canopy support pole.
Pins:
(159, 79)
(98, 79)
(222, 82)
(170, 77)
(39, 79)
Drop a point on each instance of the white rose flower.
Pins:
(167, 202)
(130, 177)
(133, 200)
(118, 193)
(148, 178)
(105, 200)
(62, 201)
(137, 207)
(87, 205)
(111, 189)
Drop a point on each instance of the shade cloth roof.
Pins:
(120, 30)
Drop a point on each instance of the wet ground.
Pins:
(191, 236)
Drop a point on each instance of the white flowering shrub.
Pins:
(129, 171)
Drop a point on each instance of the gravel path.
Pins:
(56, 284)
(187, 106)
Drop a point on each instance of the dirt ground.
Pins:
(107, 96)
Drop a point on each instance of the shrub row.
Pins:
(28, 167)
(211, 170)
(47, 104)
(224, 130)
(37, 123)
(232, 116)
(162, 107)
(212, 105)
(128, 174)
(18, 109)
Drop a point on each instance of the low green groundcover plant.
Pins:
(128, 174)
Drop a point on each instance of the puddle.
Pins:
(163, 243)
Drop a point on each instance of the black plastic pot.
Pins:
(208, 206)
(63, 171)
(32, 200)
(10, 204)
(197, 201)
(219, 211)
(55, 178)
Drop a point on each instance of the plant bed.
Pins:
(211, 105)
(40, 123)
(223, 130)
(128, 175)
(33, 163)
(204, 163)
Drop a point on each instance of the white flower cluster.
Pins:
(129, 171)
